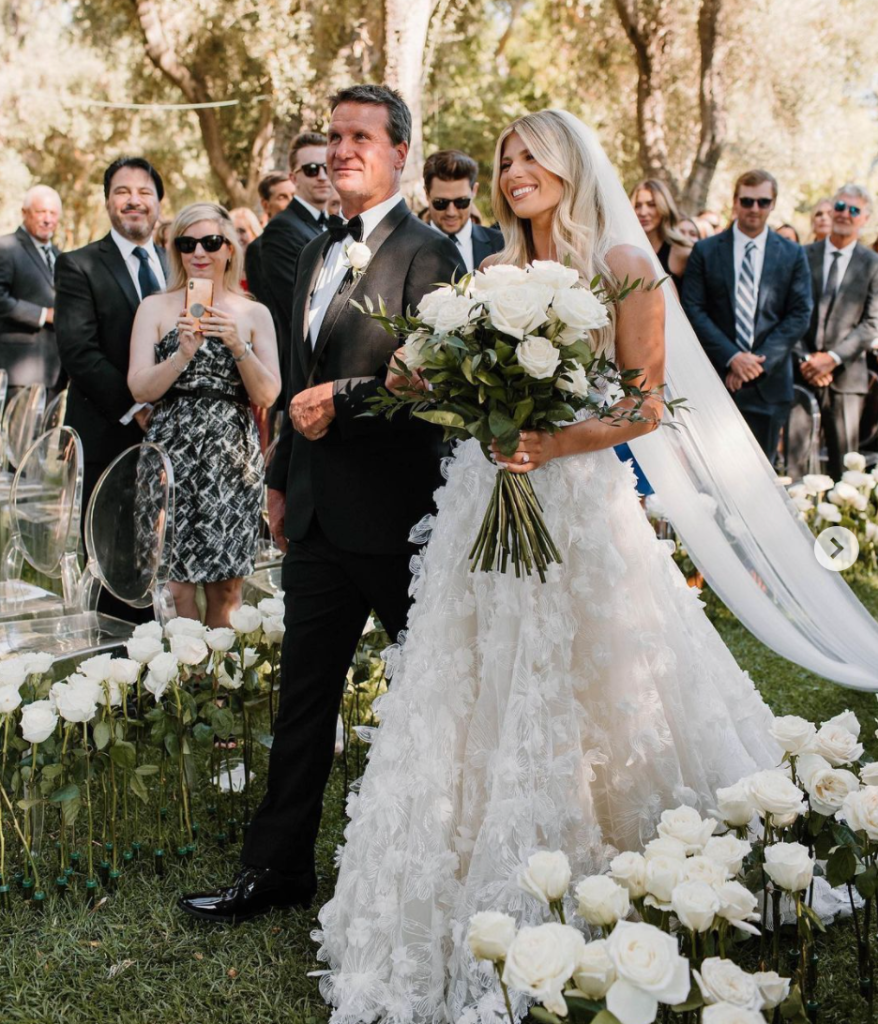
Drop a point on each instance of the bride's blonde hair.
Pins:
(579, 228)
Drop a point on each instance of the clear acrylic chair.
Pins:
(22, 416)
(55, 412)
(129, 540)
(4, 390)
(801, 443)
(268, 554)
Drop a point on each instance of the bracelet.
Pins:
(248, 348)
(174, 365)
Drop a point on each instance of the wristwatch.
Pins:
(248, 348)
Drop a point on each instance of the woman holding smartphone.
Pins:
(201, 364)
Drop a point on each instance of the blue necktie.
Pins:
(149, 284)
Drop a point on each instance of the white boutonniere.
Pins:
(358, 256)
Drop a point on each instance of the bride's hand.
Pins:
(535, 449)
(398, 384)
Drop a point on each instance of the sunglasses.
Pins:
(210, 243)
(840, 207)
(748, 202)
(459, 204)
(312, 170)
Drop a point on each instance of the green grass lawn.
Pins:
(135, 959)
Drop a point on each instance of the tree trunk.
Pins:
(405, 39)
(712, 107)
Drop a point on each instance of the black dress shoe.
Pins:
(254, 891)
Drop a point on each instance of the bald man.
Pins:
(28, 350)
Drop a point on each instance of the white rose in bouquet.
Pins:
(38, 721)
(722, 981)
(844, 494)
(664, 846)
(38, 663)
(538, 357)
(629, 869)
(112, 694)
(498, 277)
(74, 703)
(774, 793)
(860, 811)
(273, 629)
(553, 274)
(858, 479)
(13, 671)
(541, 960)
(837, 744)
(270, 606)
(10, 699)
(663, 875)
(577, 384)
(789, 866)
(412, 353)
(728, 1013)
(817, 483)
(696, 904)
(773, 988)
(649, 971)
(735, 805)
(144, 648)
(97, 668)
(738, 906)
(595, 972)
(151, 629)
(245, 619)
(793, 733)
(445, 310)
(89, 688)
(727, 850)
(181, 626)
(601, 901)
(547, 875)
(490, 935)
(826, 786)
(581, 310)
(520, 309)
(855, 461)
(685, 824)
(162, 669)
(869, 774)
(847, 720)
(705, 869)
(828, 513)
(124, 671)
(188, 650)
(221, 639)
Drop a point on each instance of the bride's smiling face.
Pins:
(528, 187)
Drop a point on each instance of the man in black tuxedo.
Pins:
(99, 288)
(276, 191)
(747, 295)
(451, 183)
(844, 277)
(289, 232)
(353, 486)
(28, 351)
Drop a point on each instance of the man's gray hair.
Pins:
(399, 117)
(38, 190)
(855, 190)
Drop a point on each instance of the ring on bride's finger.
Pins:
(525, 459)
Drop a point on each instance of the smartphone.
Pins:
(199, 295)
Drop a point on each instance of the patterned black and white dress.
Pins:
(218, 471)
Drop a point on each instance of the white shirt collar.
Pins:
(315, 213)
(463, 236)
(127, 247)
(372, 217)
(846, 252)
(743, 239)
(36, 241)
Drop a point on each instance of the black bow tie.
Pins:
(338, 229)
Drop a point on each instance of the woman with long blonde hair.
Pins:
(526, 716)
(659, 217)
(200, 369)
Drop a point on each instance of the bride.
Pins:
(522, 715)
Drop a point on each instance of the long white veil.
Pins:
(723, 498)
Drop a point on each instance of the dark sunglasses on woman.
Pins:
(312, 170)
(460, 204)
(841, 206)
(748, 201)
(210, 243)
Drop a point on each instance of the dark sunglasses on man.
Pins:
(312, 170)
(210, 243)
(748, 201)
(442, 204)
(841, 206)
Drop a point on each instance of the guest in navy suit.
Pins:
(747, 293)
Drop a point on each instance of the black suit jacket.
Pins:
(253, 269)
(94, 312)
(283, 239)
(369, 480)
(28, 352)
(783, 310)
(853, 320)
(486, 241)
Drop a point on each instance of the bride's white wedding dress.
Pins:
(524, 716)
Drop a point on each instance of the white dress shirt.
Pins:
(464, 241)
(335, 266)
(127, 248)
(757, 257)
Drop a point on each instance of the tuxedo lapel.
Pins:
(29, 247)
(116, 265)
(308, 278)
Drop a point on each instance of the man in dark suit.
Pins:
(451, 183)
(289, 232)
(348, 548)
(28, 351)
(747, 295)
(99, 288)
(844, 277)
(276, 191)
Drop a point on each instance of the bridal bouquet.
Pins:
(502, 351)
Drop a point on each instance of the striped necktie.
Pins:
(49, 257)
(745, 301)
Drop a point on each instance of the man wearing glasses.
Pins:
(287, 233)
(747, 295)
(844, 278)
(451, 186)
